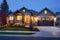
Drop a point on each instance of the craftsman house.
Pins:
(26, 16)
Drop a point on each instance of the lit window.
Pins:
(23, 10)
(51, 19)
(43, 18)
(36, 19)
(11, 18)
(32, 18)
(19, 17)
(45, 12)
(47, 19)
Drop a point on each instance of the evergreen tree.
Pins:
(4, 6)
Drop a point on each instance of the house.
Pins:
(46, 17)
(58, 18)
(24, 16)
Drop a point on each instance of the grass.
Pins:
(16, 28)
(16, 33)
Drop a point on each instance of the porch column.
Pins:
(36, 19)
(23, 19)
(54, 22)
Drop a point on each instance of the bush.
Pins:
(35, 29)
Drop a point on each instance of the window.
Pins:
(11, 18)
(23, 10)
(47, 19)
(43, 18)
(45, 12)
(19, 17)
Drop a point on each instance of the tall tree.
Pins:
(4, 6)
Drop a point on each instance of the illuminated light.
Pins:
(51, 19)
(47, 19)
(43, 18)
(27, 19)
(23, 10)
(32, 18)
(54, 19)
(45, 12)
(36, 19)
(19, 17)
(11, 18)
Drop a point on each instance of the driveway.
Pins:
(44, 32)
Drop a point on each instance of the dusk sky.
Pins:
(37, 5)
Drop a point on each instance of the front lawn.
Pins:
(16, 28)
(16, 33)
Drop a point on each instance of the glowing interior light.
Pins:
(45, 11)
(11, 18)
(36, 18)
(23, 10)
(19, 17)
(27, 19)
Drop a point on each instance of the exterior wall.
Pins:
(42, 14)
(49, 15)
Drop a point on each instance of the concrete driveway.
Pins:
(45, 31)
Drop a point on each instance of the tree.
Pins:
(4, 6)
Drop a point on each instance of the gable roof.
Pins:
(10, 12)
(17, 11)
(48, 10)
(26, 10)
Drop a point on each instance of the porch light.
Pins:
(54, 19)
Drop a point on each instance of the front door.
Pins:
(27, 19)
